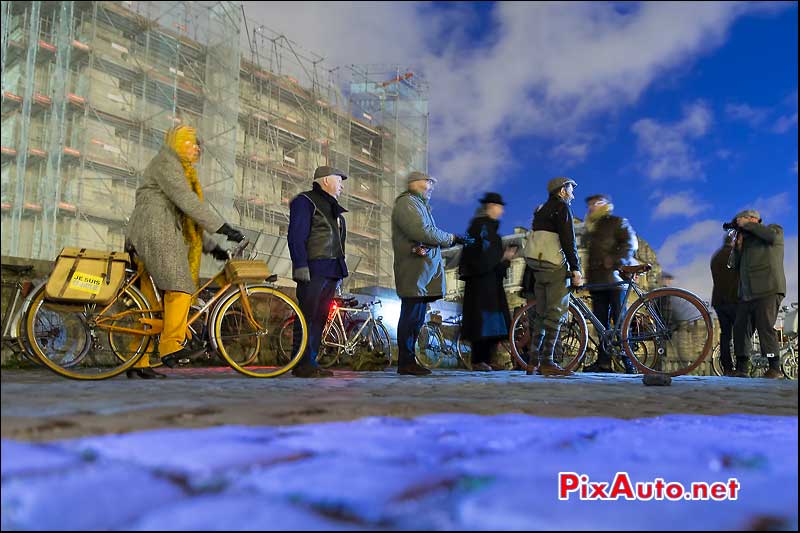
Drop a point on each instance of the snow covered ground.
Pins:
(442, 471)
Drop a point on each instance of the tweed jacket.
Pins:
(155, 228)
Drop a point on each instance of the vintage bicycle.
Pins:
(351, 327)
(93, 342)
(666, 330)
(786, 328)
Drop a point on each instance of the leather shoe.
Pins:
(308, 371)
(552, 369)
(144, 373)
(172, 360)
(481, 367)
(413, 369)
(601, 368)
(773, 374)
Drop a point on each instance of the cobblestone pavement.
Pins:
(40, 406)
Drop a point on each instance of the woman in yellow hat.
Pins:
(169, 231)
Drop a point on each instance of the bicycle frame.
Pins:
(349, 343)
(156, 324)
(600, 328)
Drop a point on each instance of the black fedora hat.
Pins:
(492, 198)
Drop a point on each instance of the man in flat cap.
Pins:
(758, 256)
(317, 233)
(418, 268)
(551, 251)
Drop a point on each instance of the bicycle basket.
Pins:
(237, 270)
(82, 276)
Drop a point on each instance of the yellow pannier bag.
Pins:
(238, 270)
(82, 276)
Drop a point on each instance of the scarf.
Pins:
(600, 212)
(181, 139)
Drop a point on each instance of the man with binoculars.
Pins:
(758, 256)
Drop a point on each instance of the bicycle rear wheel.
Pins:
(789, 361)
(234, 336)
(60, 337)
(572, 338)
(675, 329)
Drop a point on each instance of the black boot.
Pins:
(630, 368)
(533, 354)
(548, 367)
(774, 371)
(602, 365)
(742, 367)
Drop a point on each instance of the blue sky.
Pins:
(684, 112)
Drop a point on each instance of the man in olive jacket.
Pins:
(418, 268)
(611, 243)
(758, 256)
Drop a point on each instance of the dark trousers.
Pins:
(483, 350)
(412, 317)
(763, 313)
(726, 313)
(607, 307)
(314, 298)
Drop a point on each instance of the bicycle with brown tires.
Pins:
(665, 331)
(93, 342)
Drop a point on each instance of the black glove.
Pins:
(220, 254)
(231, 233)
(466, 240)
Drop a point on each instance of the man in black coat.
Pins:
(725, 299)
(483, 267)
(611, 244)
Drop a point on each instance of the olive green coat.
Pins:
(155, 228)
(412, 224)
(760, 262)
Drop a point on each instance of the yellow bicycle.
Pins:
(92, 342)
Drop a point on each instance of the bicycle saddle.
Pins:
(346, 302)
(636, 269)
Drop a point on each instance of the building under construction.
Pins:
(90, 88)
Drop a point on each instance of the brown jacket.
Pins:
(611, 244)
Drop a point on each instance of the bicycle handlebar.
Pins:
(236, 251)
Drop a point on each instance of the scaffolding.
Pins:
(90, 88)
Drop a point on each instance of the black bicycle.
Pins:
(666, 330)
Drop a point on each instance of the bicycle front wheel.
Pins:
(235, 336)
(673, 327)
(60, 337)
(789, 361)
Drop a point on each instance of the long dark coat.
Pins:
(482, 268)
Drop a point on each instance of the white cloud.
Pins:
(666, 148)
(754, 116)
(544, 70)
(785, 123)
(683, 245)
(683, 203)
(771, 206)
(687, 254)
(571, 153)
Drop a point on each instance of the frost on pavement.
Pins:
(445, 471)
